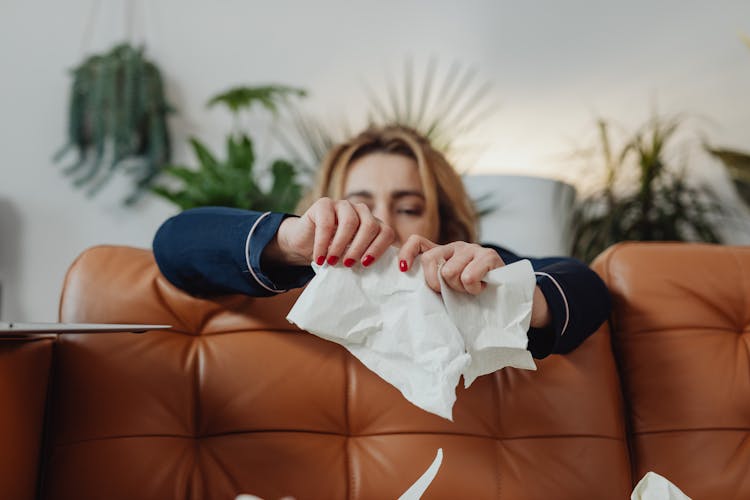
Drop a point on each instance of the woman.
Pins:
(386, 186)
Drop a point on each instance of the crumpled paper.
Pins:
(420, 341)
(417, 489)
(414, 492)
(655, 487)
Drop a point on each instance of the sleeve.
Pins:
(578, 300)
(217, 250)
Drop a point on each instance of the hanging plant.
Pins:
(117, 121)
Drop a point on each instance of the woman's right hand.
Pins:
(332, 231)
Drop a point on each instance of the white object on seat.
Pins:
(417, 489)
(655, 487)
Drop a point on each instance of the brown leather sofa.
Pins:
(234, 399)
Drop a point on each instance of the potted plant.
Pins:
(234, 180)
(660, 205)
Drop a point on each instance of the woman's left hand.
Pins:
(466, 264)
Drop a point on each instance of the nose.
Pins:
(384, 215)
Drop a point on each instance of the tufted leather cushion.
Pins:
(681, 330)
(235, 399)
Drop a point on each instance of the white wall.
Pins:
(555, 66)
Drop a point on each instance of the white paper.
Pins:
(494, 324)
(416, 339)
(417, 489)
(655, 487)
(414, 492)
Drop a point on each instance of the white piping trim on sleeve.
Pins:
(247, 256)
(565, 300)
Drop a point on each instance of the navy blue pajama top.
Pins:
(216, 250)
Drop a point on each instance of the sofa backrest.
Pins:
(234, 399)
(681, 334)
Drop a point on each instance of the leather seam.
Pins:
(288, 431)
(347, 441)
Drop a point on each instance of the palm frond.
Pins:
(449, 104)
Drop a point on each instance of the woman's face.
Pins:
(390, 186)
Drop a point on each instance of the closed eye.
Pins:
(409, 211)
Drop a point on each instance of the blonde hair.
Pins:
(448, 207)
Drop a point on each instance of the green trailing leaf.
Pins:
(117, 117)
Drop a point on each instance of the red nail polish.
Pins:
(402, 266)
(369, 259)
(321, 259)
(332, 260)
(349, 262)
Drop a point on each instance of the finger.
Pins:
(454, 266)
(431, 261)
(413, 246)
(476, 270)
(323, 217)
(380, 244)
(367, 231)
(347, 223)
(430, 271)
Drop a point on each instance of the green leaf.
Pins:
(285, 192)
(240, 154)
(187, 175)
(244, 98)
(206, 159)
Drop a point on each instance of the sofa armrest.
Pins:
(25, 365)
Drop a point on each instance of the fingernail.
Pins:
(369, 259)
(321, 259)
(349, 262)
(402, 266)
(332, 260)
